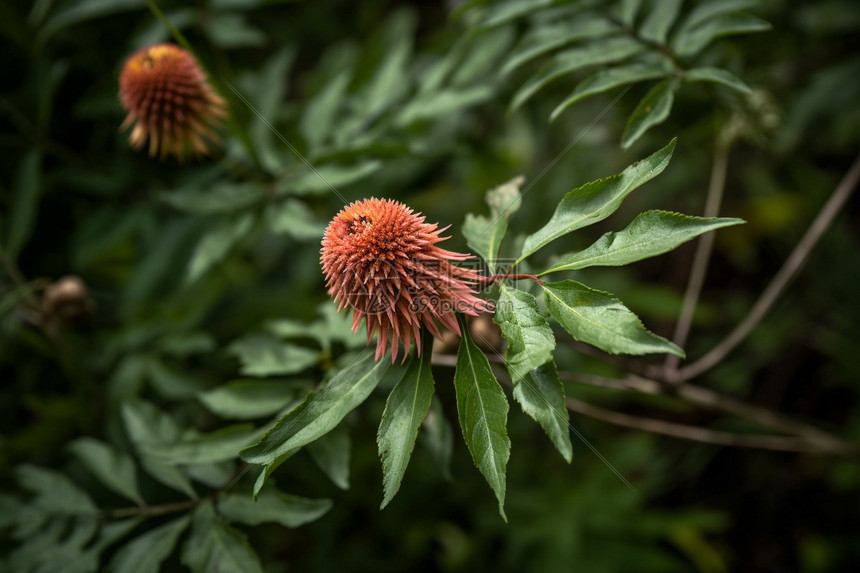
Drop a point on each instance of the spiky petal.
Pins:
(169, 102)
(381, 259)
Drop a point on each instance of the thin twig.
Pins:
(778, 443)
(704, 248)
(151, 510)
(782, 278)
(714, 401)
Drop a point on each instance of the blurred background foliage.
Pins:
(201, 283)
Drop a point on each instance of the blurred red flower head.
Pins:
(381, 259)
(169, 101)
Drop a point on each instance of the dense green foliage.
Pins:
(194, 401)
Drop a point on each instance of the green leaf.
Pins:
(221, 445)
(712, 8)
(319, 115)
(215, 245)
(604, 80)
(267, 88)
(717, 76)
(293, 218)
(113, 468)
(691, 40)
(321, 179)
(215, 547)
(596, 200)
(25, 205)
(405, 410)
(546, 38)
(541, 395)
(231, 31)
(321, 411)
(661, 17)
(600, 319)
(483, 235)
(55, 493)
(331, 453)
(650, 234)
(438, 437)
(169, 381)
(596, 54)
(216, 198)
(504, 12)
(272, 506)
(250, 399)
(332, 327)
(147, 427)
(437, 104)
(652, 110)
(145, 553)
(530, 339)
(269, 468)
(84, 11)
(483, 412)
(627, 11)
(265, 355)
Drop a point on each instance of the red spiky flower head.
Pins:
(169, 101)
(381, 259)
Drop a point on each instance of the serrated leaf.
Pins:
(295, 219)
(438, 437)
(215, 245)
(482, 408)
(546, 38)
(265, 355)
(111, 467)
(250, 399)
(331, 453)
(321, 411)
(599, 53)
(598, 318)
(145, 553)
(661, 17)
(690, 41)
(55, 493)
(530, 339)
(604, 80)
(652, 110)
(484, 235)
(221, 445)
(597, 200)
(272, 506)
(650, 234)
(405, 409)
(215, 547)
(717, 76)
(541, 395)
